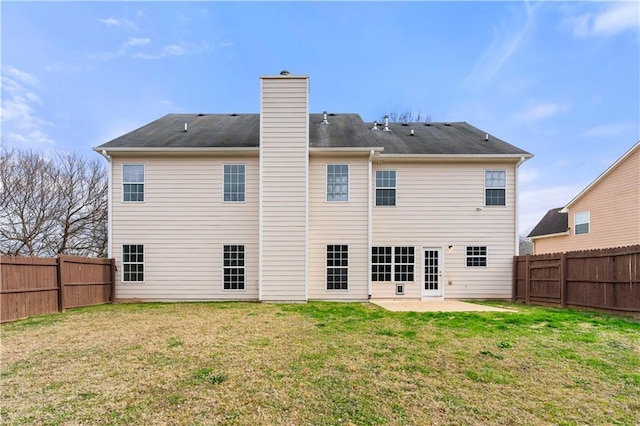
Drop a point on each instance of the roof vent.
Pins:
(486, 137)
(324, 118)
(284, 72)
(201, 115)
(234, 115)
(427, 124)
(375, 126)
(412, 133)
(186, 129)
(386, 124)
(405, 124)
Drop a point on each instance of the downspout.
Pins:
(109, 208)
(369, 225)
(517, 209)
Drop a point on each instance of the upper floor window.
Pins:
(133, 182)
(234, 182)
(132, 263)
(385, 187)
(581, 223)
(337, 182)
(477, 256)
(495, 184)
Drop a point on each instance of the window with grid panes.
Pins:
(132, 263)
(477, 256)
(234, 182)
(233, 264)
(495, 183)
(133, 182)
(381, 262)
(385, 187)
(403, 263)
(337, 182)
(337, 267)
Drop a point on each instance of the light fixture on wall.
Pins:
(450, 247)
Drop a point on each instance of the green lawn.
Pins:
(319, 363)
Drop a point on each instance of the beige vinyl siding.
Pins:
(442, 204)
(284, 162)
(338, 223)
(183, 224)
(614, 208)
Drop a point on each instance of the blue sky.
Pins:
(558, 79)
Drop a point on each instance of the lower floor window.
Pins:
(400, 260)
(233, 264)
(476, 256)
(132, 263)
(337, 267)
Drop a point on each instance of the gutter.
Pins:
(109, 203)
(369, 222)
(557, 234)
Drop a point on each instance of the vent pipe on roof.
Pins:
(412, 133)
(386, 123)
(185, 127)
(375, 125)
(324, 118)
(486, 137)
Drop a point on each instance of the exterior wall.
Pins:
(338, 223)
(284, 161)
(614, 207)
(183, 224)
(440, 205)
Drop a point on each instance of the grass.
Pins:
(319, 364)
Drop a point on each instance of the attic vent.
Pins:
(375, 125)
(427, 124)
(234, 115)
(405, 124)
(447, 124)
(201, 115)
(331, 114)
(284, 72)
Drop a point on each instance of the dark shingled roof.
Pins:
(553, 222)
(343, 131)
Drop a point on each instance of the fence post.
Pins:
(60, 283)
(113, 280)
(527, 279)
(514, 288)
(563, 280)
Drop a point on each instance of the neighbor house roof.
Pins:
(554, 222)
(343, 131)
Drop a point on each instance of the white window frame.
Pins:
(326, 287)
(144, 186)
(504, 188)
(587, 222)
(468, 256)
(395, 188)
(348, 183)
(393, 264)
(243, 268)
(132, 263)
(224, 174)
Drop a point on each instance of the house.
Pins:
(291, 206)
(605, 214)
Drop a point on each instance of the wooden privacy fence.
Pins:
(607, 279)
(35, 286)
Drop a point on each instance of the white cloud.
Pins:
(113, 22)
(507, 40)
(20, 120)
(536, 201)
(133, 42)
(176, 49)
(617, 18)
(535, 111)
(612, 130)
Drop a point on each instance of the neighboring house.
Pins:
(605, 214)
(290, 206)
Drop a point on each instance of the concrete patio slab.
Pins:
(435, 306)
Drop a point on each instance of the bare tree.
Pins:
(407, 116)
(52, 206)
(525, 245)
